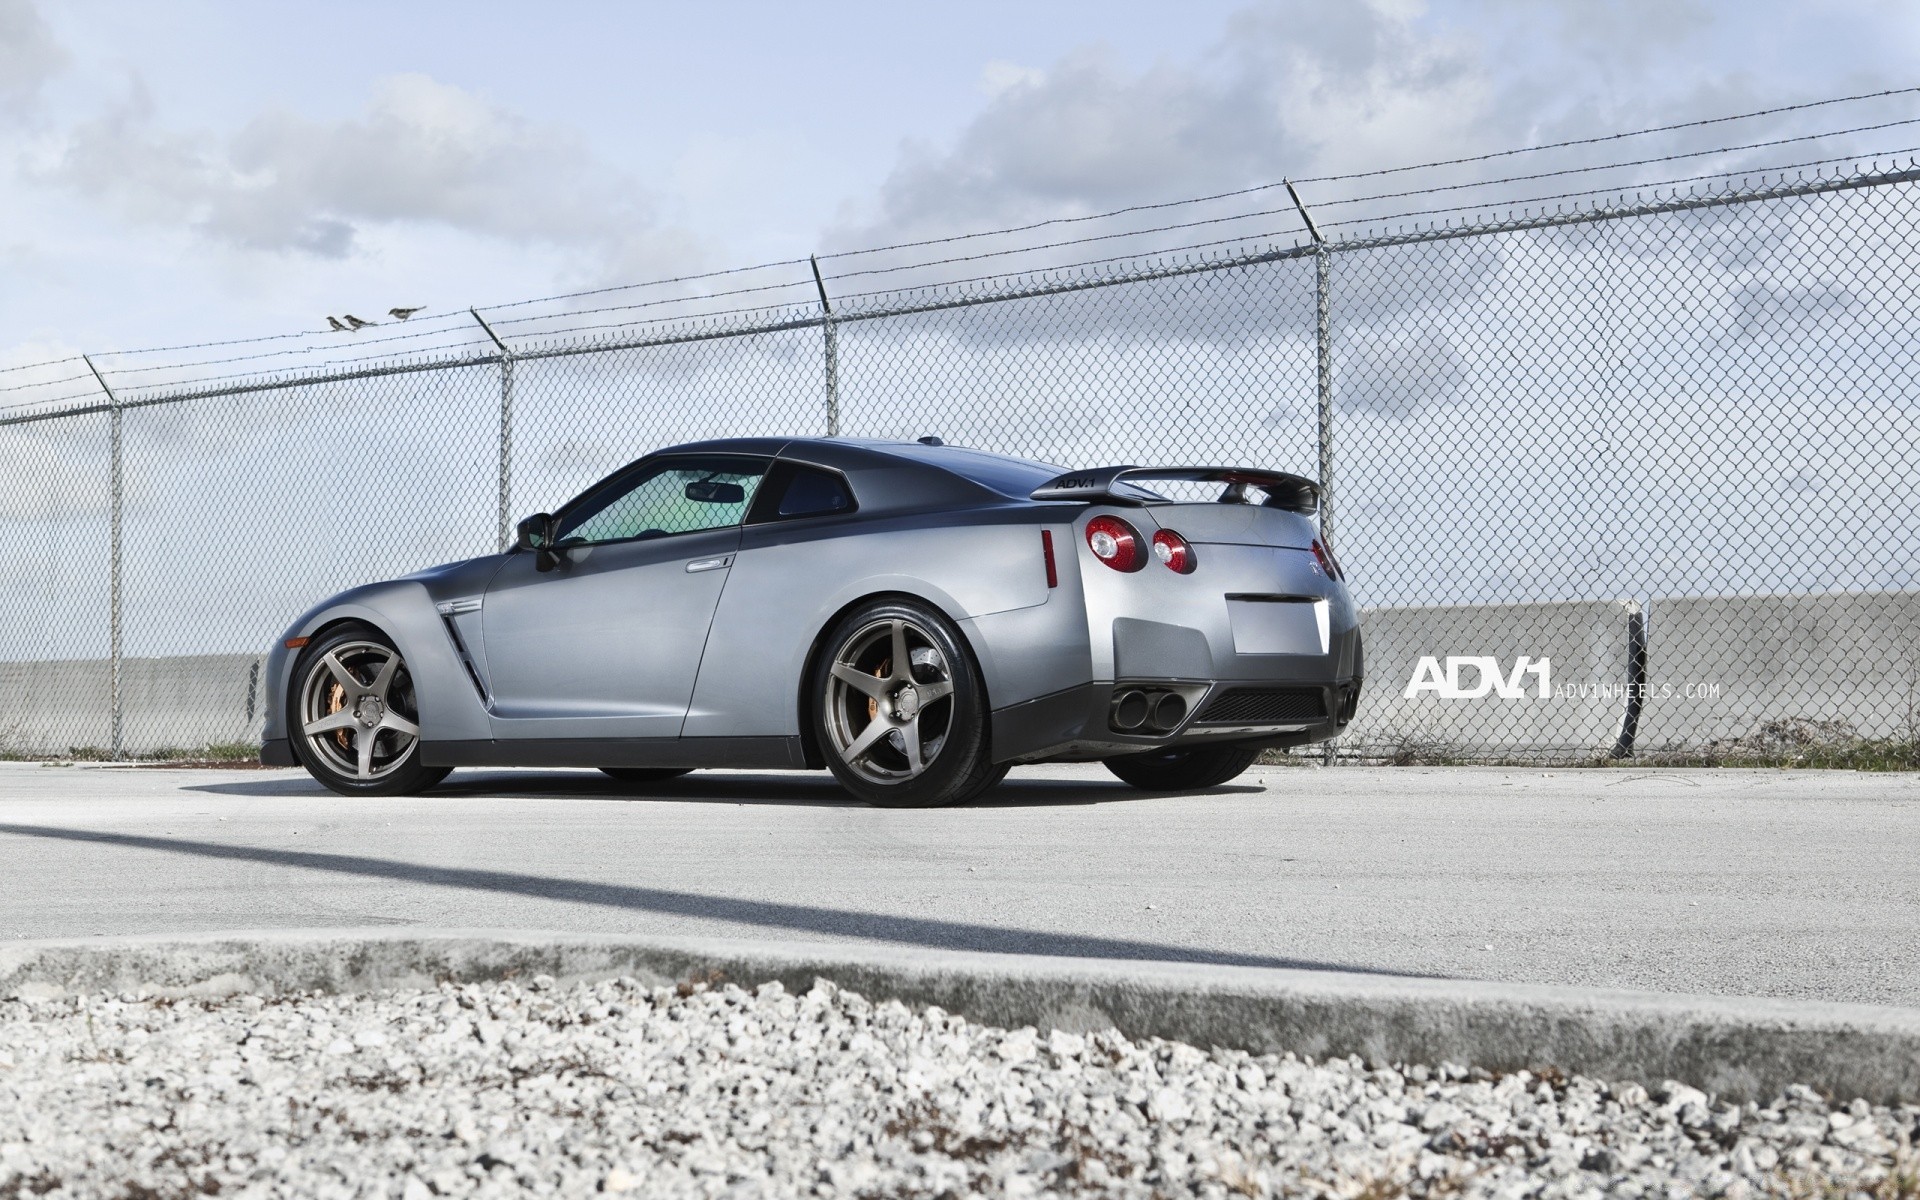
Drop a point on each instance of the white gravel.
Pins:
(500, 1089)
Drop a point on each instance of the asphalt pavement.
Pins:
(1763, 883)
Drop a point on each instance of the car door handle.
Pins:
(710, 564)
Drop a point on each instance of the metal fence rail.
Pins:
(1666, 448)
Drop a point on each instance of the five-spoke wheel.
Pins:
(355, 722)
(899, 709)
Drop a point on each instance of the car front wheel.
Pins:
(355, 719)
(899, 709)
(1183, 770)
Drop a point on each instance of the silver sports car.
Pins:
(914, 617)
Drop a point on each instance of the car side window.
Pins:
(812, 492)
(684, 495)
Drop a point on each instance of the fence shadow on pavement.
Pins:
(755, 914)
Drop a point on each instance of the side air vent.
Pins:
(466, 657)
(1265, 706)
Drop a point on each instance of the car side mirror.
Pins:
(534, 533)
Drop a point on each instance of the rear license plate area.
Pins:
(1279, 626)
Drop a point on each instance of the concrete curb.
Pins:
(1739, 1048)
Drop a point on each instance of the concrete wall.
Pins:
(58, 708)
(1724, 668)
(1852, 659)
(53, 707)
(1585, 642)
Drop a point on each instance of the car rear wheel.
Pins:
(644, 774)
(355, 720)
(899, 709)
(1186, 769)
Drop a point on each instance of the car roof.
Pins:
(1003, 475)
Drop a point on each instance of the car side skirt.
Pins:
(740, 753)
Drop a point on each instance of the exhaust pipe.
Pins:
(1168, 711)
(1130, 711)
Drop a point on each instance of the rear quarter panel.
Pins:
(791, 580)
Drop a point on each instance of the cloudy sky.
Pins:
(198, 170)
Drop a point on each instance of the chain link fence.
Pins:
(1630, 481)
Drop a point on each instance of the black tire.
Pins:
(644, 774)
(382, 693)
(1188, 769)
(948, 732)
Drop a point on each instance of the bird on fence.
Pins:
(401, 314)
(334, 323)
(356, 322)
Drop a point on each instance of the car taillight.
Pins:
(1172, 549)
(1115, 543)
(1328, 563)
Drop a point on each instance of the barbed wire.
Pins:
(476, 336)
(21, 387)
(623, 287)
(266, 337)
(1352, 200)
(1086, 241)
(1613, 137)
(327, 352)
(1159, 256)
(702, 316)
(1618, 166)
(1502, 203)
(1592, 192)
(423, 356)
(582, 312)
(51, 362)
(1281, 183)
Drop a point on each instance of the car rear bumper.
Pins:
(1271, 700)
(1077, 724)
(277, 752)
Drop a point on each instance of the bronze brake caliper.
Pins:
(879, 672)
(337, 700)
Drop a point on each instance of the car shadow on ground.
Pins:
(813, 789)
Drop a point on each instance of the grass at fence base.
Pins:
(1858, 754)
(218, 752)
(1869, 754)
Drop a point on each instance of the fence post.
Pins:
(832, 339)
(116, 527)
(1323, 381)
(506, 431)
(1323, 357)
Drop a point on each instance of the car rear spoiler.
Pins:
(1295, 493)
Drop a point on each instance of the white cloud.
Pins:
(999, 77)
(1338, 84)
(29, 54)
(421, 152)
(1327, 87)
